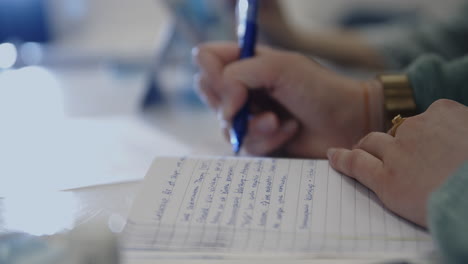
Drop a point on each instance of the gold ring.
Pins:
(397, 121)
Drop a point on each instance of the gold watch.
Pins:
(398, 95)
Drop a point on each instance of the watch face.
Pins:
(398, 95)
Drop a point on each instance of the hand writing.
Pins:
(323, 109)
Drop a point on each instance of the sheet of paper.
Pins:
(262, 206)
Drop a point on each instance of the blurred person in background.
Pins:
(404, 42)
(419, 170)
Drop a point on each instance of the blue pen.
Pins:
(247, 11)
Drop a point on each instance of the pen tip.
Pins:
(235, 142)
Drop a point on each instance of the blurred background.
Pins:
(92, 90)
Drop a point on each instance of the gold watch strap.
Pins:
(398, 95)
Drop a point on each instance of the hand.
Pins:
(404, 170)
(324, 109)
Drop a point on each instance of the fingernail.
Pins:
(330, 153)
(220, 116)
(195, 51)
(195, 56)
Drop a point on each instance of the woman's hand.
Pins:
(404, 170)
(304, 110)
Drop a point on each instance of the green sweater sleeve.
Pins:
(433, 78)
(448, 217)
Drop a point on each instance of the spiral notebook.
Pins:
(237, 207)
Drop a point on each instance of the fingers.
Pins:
(261, 143)
(357, 164)
(259, 72)
(266, 133)
(211, 59)
(264, 124)
(365, 161)
(223, 80)
(223, 83)
(204, 89)
(233, 98)
(376, 143)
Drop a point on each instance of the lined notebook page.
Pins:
(261, 205)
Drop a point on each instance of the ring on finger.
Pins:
(397, 121)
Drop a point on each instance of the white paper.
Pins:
(262, 206)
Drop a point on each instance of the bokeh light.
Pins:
(8, 55)
(31, 53)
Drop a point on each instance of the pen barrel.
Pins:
(248, 10)
(248, 38)
(247, 43)
(239, 127)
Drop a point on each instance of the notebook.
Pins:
(228, 207)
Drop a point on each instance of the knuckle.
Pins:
(367, 139)
(373, 135)
(442, 103)
(413, 123)
(336, 159)
(361, 142)
(370, 140)
(354, 161)
(416, 118)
